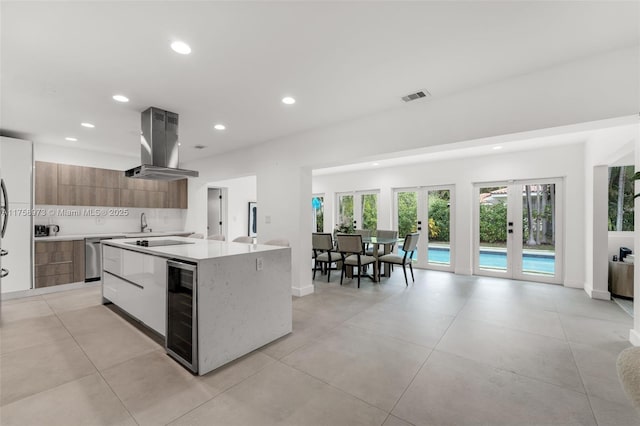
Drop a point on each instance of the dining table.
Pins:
(387, 244)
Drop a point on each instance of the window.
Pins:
(621, 187)
(317, 202)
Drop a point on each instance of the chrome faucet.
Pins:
(143, 222)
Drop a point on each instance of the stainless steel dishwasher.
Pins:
(93, 257)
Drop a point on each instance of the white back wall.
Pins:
(463, 173)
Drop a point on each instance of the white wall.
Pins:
(595, 88)
(620, 239)
(82, 157)
(634, 333)
(603, 148)
(239, 192)
(463, 173)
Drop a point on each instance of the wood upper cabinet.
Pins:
(64, 184)
(76, 175)
(178, 194)
(108, 178)
(46, 183)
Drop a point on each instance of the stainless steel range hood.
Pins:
(159, 148)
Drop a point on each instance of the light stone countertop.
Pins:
(71, 237)
(199, 249)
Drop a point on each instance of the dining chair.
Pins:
(409, 246)
(366, 235)
(380, 233)
(323, 253)
(277, 242)
(217, 237)
(243, 239)
(352, 252)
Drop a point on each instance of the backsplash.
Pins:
(99, 220)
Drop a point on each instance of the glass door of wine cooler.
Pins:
(182, 325)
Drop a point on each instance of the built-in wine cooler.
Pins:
(182, 319)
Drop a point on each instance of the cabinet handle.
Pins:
(3, 252)
(124, 279)
(4, 273)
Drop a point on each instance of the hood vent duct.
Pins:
(159, 148)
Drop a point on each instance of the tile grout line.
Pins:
(573, 355)
(427, 359)
(224, 391)
(334, 387)
(94, 366)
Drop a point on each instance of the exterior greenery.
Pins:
(493, 223)
(319, 213)
(407, 213)
(621, 188)
(345, 213)
(369, 203)
(370, 212)
(439, 215)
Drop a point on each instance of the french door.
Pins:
(430, 212)
(518, 230)
(357, 210)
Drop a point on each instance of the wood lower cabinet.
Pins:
(58, 262)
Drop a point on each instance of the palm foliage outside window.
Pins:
(621, 188)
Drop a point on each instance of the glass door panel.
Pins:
(345, 212)
(369, 209)
(492, 242)
(406, 216)
(439, 224)
(538, 229)
(317, 204)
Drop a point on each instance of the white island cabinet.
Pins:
(137, 283)
(242, 293)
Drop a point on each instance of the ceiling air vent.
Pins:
(199, 147)
(413, 96)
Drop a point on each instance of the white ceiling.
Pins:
(62, 61)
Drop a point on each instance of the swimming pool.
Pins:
(538, 263)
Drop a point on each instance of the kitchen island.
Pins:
(213, 301)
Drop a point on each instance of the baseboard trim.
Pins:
(302, 291)
(598, 294)
(634, 337)
(46, 290)
(573, 284)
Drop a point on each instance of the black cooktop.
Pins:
(156, 243)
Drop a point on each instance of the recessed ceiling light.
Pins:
(288, 100)
(120, 98)
(89, 125)
(72, 139)
(497, 147)
(375, 164)
(181, 47)
(219, 127)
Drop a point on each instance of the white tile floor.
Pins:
(448, 350)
